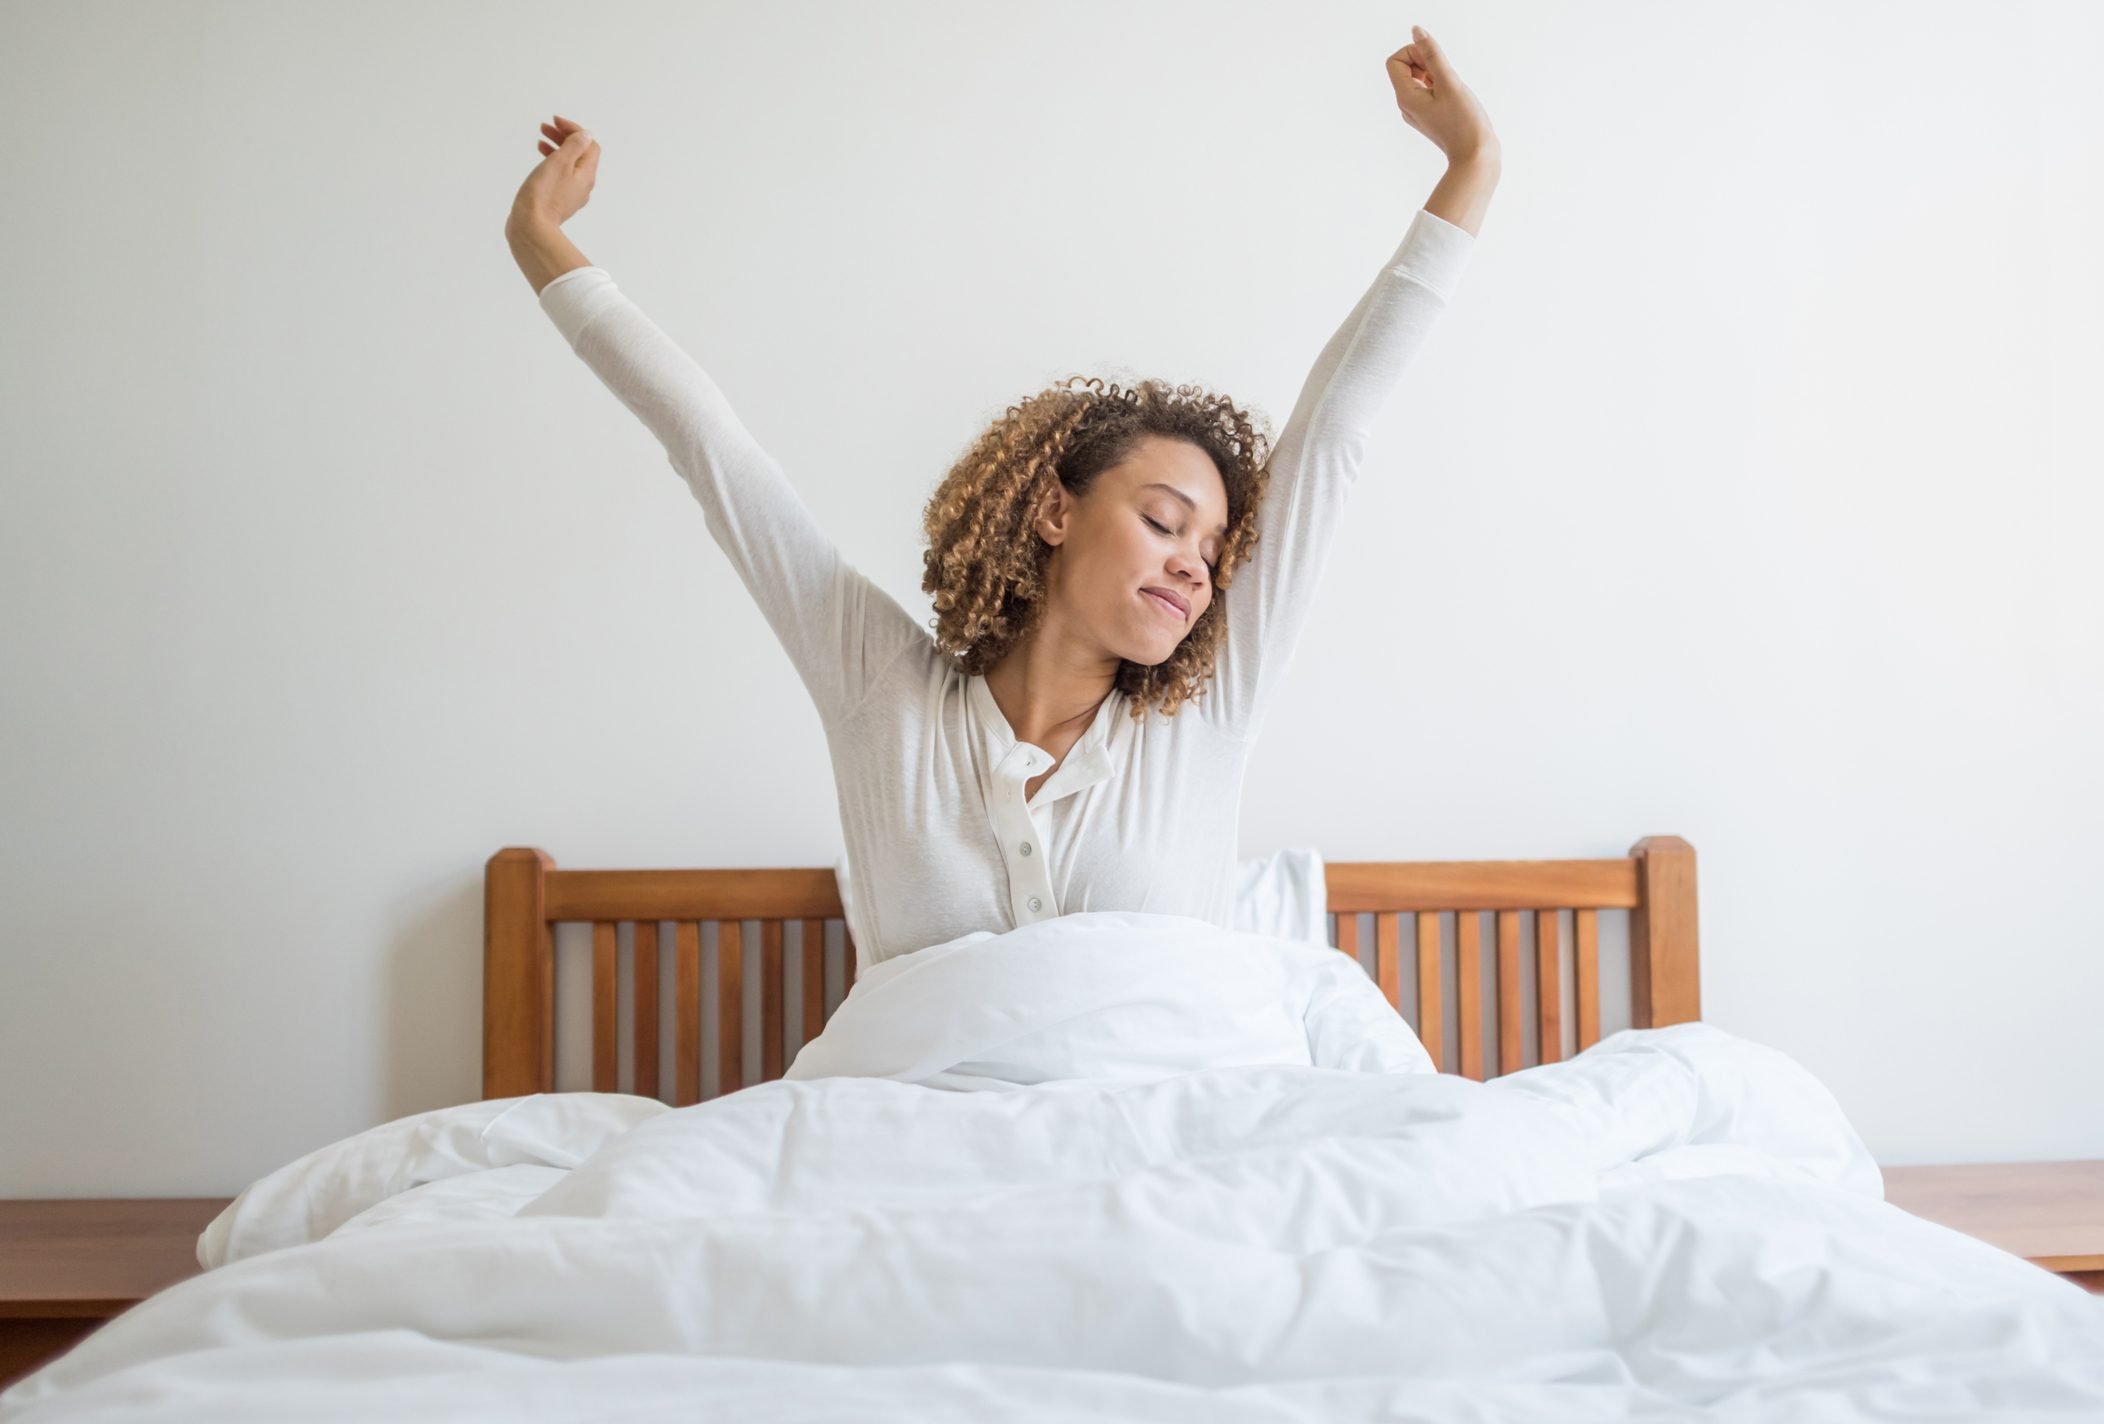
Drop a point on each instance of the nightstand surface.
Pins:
(2051, 1213)
(96, 1257)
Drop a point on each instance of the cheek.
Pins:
(1128, 559)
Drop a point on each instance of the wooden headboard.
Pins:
(526, 896)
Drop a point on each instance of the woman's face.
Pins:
(1158, 522)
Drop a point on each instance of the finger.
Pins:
(1435, 57)
(564, 126)
(546, 147)
(1407, 78)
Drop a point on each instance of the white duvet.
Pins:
(1108, 1166)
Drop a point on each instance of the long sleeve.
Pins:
(1315, 462)
(840, 630)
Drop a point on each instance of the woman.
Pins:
(1036, 756)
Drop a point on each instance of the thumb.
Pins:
(577, 143)
(1435, 57)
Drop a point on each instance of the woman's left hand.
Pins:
(1436, 103)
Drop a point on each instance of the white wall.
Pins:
(1749, 491)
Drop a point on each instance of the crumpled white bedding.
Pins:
(1109, 1165)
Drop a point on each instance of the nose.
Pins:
(1190, 575)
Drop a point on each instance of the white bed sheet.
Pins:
(1167, 1172)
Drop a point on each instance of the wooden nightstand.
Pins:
(2050, 1213)
(68, 1266)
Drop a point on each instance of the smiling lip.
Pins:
(1168, 601)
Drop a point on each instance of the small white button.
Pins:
(1036, 904)
(1026, 847)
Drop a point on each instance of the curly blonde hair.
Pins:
(985, 562)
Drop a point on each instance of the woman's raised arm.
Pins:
(1316, 460)
(840, 630)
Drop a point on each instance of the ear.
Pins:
(1055, 513)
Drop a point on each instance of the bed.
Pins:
(1108, 1165)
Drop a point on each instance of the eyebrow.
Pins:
(1189, 503)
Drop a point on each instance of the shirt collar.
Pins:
(1084, 766)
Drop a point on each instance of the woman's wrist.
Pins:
(541, 248)
(1484, 155)
(1462, 195)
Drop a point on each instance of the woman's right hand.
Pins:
(562, 182)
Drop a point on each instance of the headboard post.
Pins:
(1664, 972)
(518, 975)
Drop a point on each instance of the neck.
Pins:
(1047, 691)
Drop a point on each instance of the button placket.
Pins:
(1029, 881)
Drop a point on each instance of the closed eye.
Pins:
(1210, 566)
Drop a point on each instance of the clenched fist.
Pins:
(1434, 100)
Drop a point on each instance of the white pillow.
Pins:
(1284, 894)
